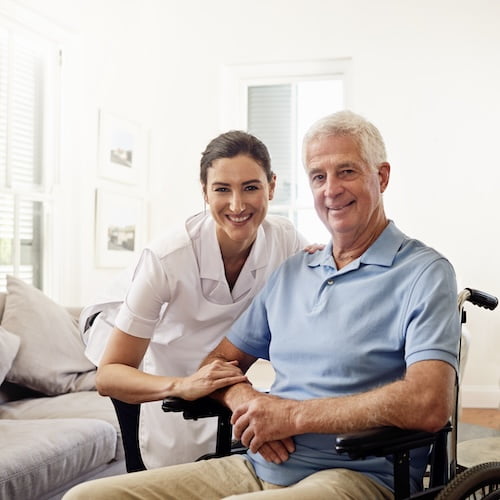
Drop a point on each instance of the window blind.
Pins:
(270, 119)
(21, 179)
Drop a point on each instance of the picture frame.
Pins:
(119, 228)
(121, 154)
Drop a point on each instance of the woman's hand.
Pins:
(314, 247)
(208, 379)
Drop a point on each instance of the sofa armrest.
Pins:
(74, 311)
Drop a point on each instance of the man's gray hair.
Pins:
(347, 123)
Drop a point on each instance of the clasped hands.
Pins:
(265, 425)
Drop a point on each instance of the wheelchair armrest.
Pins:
(199, 408)
(384, 441)
(202, 408)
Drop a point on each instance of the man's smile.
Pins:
(338, 208)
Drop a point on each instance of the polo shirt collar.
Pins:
(382, 252)
(322, 257)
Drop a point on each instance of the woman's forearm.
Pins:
(131, 385)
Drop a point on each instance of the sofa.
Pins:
(55, 429)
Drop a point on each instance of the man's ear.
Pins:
(384, 172)
(272, 187)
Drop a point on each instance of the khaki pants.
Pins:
(229, 477)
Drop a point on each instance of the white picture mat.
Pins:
(119, 228)
(121, 155)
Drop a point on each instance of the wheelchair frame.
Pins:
(447, 479)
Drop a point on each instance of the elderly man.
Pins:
(361, 334)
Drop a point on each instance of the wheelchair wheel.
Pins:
(481, 481)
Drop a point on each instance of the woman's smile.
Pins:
(239, 219)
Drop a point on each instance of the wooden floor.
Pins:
(487, 417)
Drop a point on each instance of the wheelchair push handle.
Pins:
(481, 299)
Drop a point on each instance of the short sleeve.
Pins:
(250, 333)
(148, 293)
(433, 324)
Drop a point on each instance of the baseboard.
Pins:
(480, 396)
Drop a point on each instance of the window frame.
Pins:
(236, 79)
(24, 23)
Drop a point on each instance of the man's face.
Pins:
(347, 191)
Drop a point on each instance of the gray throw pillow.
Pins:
(9, 345)
(51, 357)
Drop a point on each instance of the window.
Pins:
(28, 104)
(278, 103)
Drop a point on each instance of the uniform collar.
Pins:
(210, 258)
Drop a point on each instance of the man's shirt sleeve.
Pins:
(432, 320)
(250, 333)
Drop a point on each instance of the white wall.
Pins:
(427, 72)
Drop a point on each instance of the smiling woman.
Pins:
(238, 194)
(188, 288)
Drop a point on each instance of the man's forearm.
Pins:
(421, 401)
(235, 395)
(211, 357)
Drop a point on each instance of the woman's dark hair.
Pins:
(231, 144)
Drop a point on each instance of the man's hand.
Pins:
(209, 378)
(277, 451)
(266, 425)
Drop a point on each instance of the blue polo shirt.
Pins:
(330, 332)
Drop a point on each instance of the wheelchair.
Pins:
(445, 478)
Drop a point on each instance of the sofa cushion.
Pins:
(51, 357)
(38, 456)
(86, 404)
(9, 345)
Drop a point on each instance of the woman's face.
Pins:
(238, 194)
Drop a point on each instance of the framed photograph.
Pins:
(121, 152)
(119, 228)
